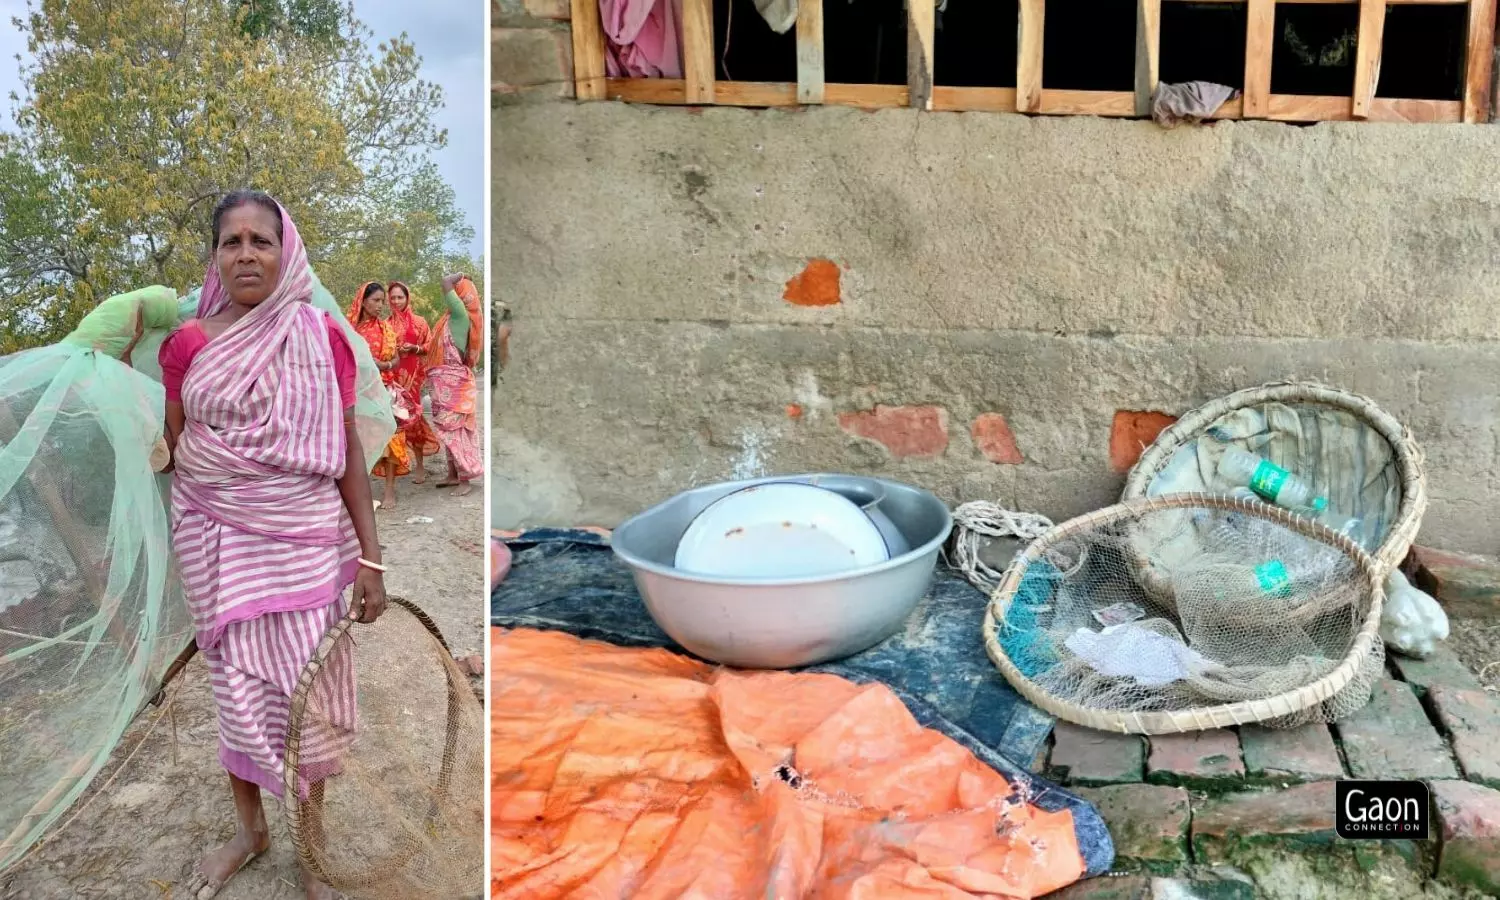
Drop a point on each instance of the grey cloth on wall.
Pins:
(1190, 101)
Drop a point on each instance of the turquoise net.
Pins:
(91, 611)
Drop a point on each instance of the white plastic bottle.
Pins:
(1269, 481)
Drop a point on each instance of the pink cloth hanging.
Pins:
(642, 38)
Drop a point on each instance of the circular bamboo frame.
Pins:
(1410, 462)
(305, 829)
(1199, 718)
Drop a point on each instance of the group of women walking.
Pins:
(410, 354)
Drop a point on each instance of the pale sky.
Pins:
(449, 36)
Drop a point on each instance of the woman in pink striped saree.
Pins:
(272, 516)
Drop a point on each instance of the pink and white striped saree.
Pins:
(264, 543)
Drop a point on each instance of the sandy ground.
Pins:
(140, 836)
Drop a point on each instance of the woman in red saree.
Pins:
(366, 314)
(411, 374)
(457, 343)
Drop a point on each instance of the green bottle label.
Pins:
(1273, 579)
(1267, 480)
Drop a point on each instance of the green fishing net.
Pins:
(91, 610)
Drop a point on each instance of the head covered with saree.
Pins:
(405, 307)
(264, 435)
(472, 353)
(359, 307)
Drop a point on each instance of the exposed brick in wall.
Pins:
(905, 431)
(816, 285)
(993, 437)
(1131, 433)
(531, 50)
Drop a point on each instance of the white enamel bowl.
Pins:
(780, 531)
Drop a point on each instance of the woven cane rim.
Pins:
(296, 817)
(1198, 718)
(1410, 461)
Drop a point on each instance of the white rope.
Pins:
(976, 523)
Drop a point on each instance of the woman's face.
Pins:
(249, 253)
(375, 304)
(398, 298)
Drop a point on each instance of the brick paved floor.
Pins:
(1187, 811)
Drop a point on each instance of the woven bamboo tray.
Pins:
(1410, 462)
(1280, 706)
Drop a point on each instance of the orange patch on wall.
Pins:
(816, 285)
(1130, 433)
(794, 410)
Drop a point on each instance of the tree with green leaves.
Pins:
(138, 114)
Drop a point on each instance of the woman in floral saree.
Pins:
(411, 375)
(368, 316)
(457, 344)
(271, 513)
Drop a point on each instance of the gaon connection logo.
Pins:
(1376, 810)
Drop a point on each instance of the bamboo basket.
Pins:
(1364, 651)
(1408, 457)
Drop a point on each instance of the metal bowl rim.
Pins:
(645, 565)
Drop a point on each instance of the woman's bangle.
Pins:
(376, 567)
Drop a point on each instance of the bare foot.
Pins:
(419, 477)
(389, 501)
(447, 482)
(463, 489)
(317, 890)
(220, 865)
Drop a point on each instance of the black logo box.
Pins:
(1382, 810)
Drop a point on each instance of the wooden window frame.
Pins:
(699, 87)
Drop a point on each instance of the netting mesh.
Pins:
(89, 612)
(402, 818)
(1258, 612)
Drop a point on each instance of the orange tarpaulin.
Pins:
(644, 774)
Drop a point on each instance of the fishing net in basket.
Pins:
(1273, 620)
(385, 776)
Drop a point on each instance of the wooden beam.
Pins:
(1087, 103)
(867, 96)
(1352, 2)
(588, 50)
(1280, 107)
(1367, 55)
(646, 90)
(921, 26)
(810, 51)
(1147, 53)
(1260, 37)
(1029, 56)
(1298, 108)
(974, 99)
(698, 50)
(1480, 60)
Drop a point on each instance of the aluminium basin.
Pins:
(780, 623)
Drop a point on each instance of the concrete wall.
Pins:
(991, 306)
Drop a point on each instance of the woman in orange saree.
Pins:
(457, 344)
(365, 314)
(411, 374)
